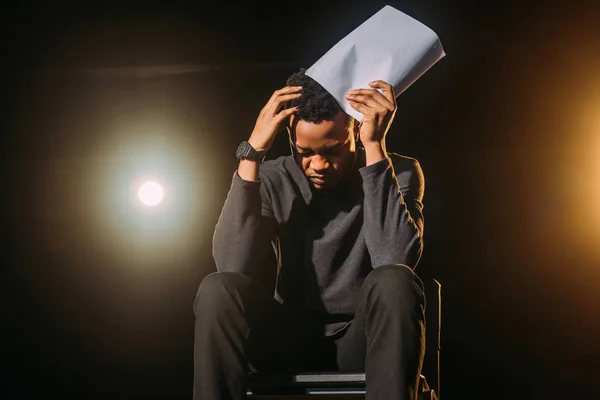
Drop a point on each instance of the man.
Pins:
(346, 226)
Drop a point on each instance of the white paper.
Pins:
(389, 46)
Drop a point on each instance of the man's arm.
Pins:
(245, 228)
(393, 212)
(246, 225)
(393, 207)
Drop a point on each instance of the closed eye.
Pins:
(329, 152)
(326, 152)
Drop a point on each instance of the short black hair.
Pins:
(315, 104)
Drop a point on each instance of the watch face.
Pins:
(243, 150)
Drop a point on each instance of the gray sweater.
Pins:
(326, 242)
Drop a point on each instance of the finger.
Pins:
(279, 101)
(376, 95)
(360, 94)
(283, 114)
(288, 89)
(286, 97)
(388, 90)
(360, 107)
(370, 101)
(282, 92)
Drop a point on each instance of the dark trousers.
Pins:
(240, 327)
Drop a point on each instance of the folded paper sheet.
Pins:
(389, 46)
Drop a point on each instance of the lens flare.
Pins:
(150, 193)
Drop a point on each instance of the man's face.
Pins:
(325, 151)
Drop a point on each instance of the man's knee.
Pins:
(216, 288)
(395, 282)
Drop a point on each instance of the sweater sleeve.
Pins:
(393, 212)
(246, 226)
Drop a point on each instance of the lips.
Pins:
(318, 179)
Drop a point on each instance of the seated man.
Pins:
(346, 226)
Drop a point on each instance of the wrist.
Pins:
(248, 170)
(258, 145)
(374, 152)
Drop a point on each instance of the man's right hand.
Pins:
(271, 116)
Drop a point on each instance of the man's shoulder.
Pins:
(276, 165)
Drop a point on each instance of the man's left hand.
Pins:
(378, 110)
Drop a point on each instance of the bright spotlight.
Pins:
(150, 193)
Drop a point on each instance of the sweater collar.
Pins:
(298, 177)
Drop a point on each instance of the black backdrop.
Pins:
(504, 127)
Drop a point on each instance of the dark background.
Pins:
(96, 295)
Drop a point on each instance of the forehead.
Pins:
(321, 133)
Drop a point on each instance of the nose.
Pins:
(319, 163)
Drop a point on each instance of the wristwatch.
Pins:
(245, 151)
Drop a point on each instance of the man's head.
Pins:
(322, 135)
